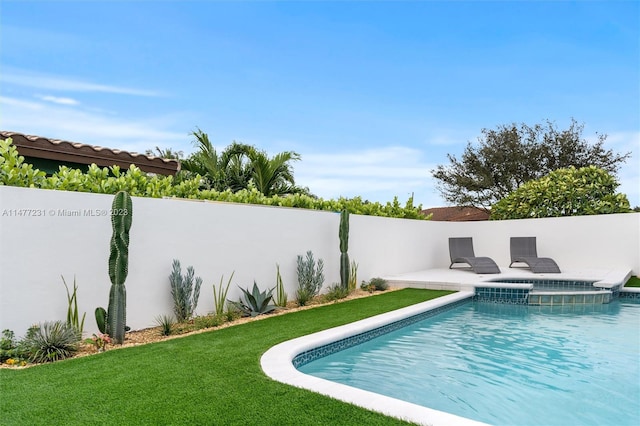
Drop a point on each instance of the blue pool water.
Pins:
(506, 364)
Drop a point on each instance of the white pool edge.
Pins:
(277, 364)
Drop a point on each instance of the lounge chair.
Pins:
(523, 250)
(461, 251)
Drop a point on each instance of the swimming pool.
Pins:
(505, 364)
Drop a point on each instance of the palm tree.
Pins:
(167, 153)
(205, 161)
(241, 165)
(236, 162)
(273, 176)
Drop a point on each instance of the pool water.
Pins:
(506, 364)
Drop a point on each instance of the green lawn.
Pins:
(633, 282)
(212, 378)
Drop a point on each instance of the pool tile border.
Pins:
(277, 363)
(348, 342)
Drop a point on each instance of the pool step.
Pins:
(556, 298)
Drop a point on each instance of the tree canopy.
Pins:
(564, 192)
(510, 155)
(241, 166)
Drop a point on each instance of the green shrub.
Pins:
(564, 192)
(51, 341)
(14, 172)
(165, 322)
(254, 302)
(335, 292)
(10, 349)
(185, 290)
(375, 284)
(310, 278)
(208, 321)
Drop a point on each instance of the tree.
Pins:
(167, 153)
(564, 192)
(511, 155)
(273, 176)
(242, 166)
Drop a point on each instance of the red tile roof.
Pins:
(73, 152)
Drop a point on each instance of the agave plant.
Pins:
(255, 302)
(51, 341)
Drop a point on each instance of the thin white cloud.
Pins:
(84, 126)
(376, 174)
(629, 173)
(48, 82)
(58, 100)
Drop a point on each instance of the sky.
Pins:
(372, 95)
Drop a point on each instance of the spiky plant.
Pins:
(220, 296)
(166, 323)
(254, 302)
(51, 341)
(73, 317)
(281, 295)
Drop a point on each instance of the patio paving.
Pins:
(467, 280)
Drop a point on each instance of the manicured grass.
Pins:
(212, 378)
(633, 282)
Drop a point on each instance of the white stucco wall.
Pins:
(219, 238)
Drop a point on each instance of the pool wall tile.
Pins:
(330, 348)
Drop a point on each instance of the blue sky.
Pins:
(373, 95)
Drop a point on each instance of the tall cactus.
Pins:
(343, 233)
(121, 217)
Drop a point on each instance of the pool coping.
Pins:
(465, 279)
(277, 363)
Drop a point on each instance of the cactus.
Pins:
(343, 233)
(121, 217)
(101, 320)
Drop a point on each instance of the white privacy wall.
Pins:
(220, 238)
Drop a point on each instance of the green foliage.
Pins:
(254, 302)
(241, 167)
(14, 171)
(220, 296)
(208, 321)
(165, 322)
(121, 219)
(633, 282)
(353, 276)
(281, 295)
(73, 317)
(10, 349)
(185, 291)
(51, 341)
(335, 292)
(375, 284)
(511, 155)
(101, 320)
(137, 183)
(343, 234)
(310, 278)
(564, 192)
